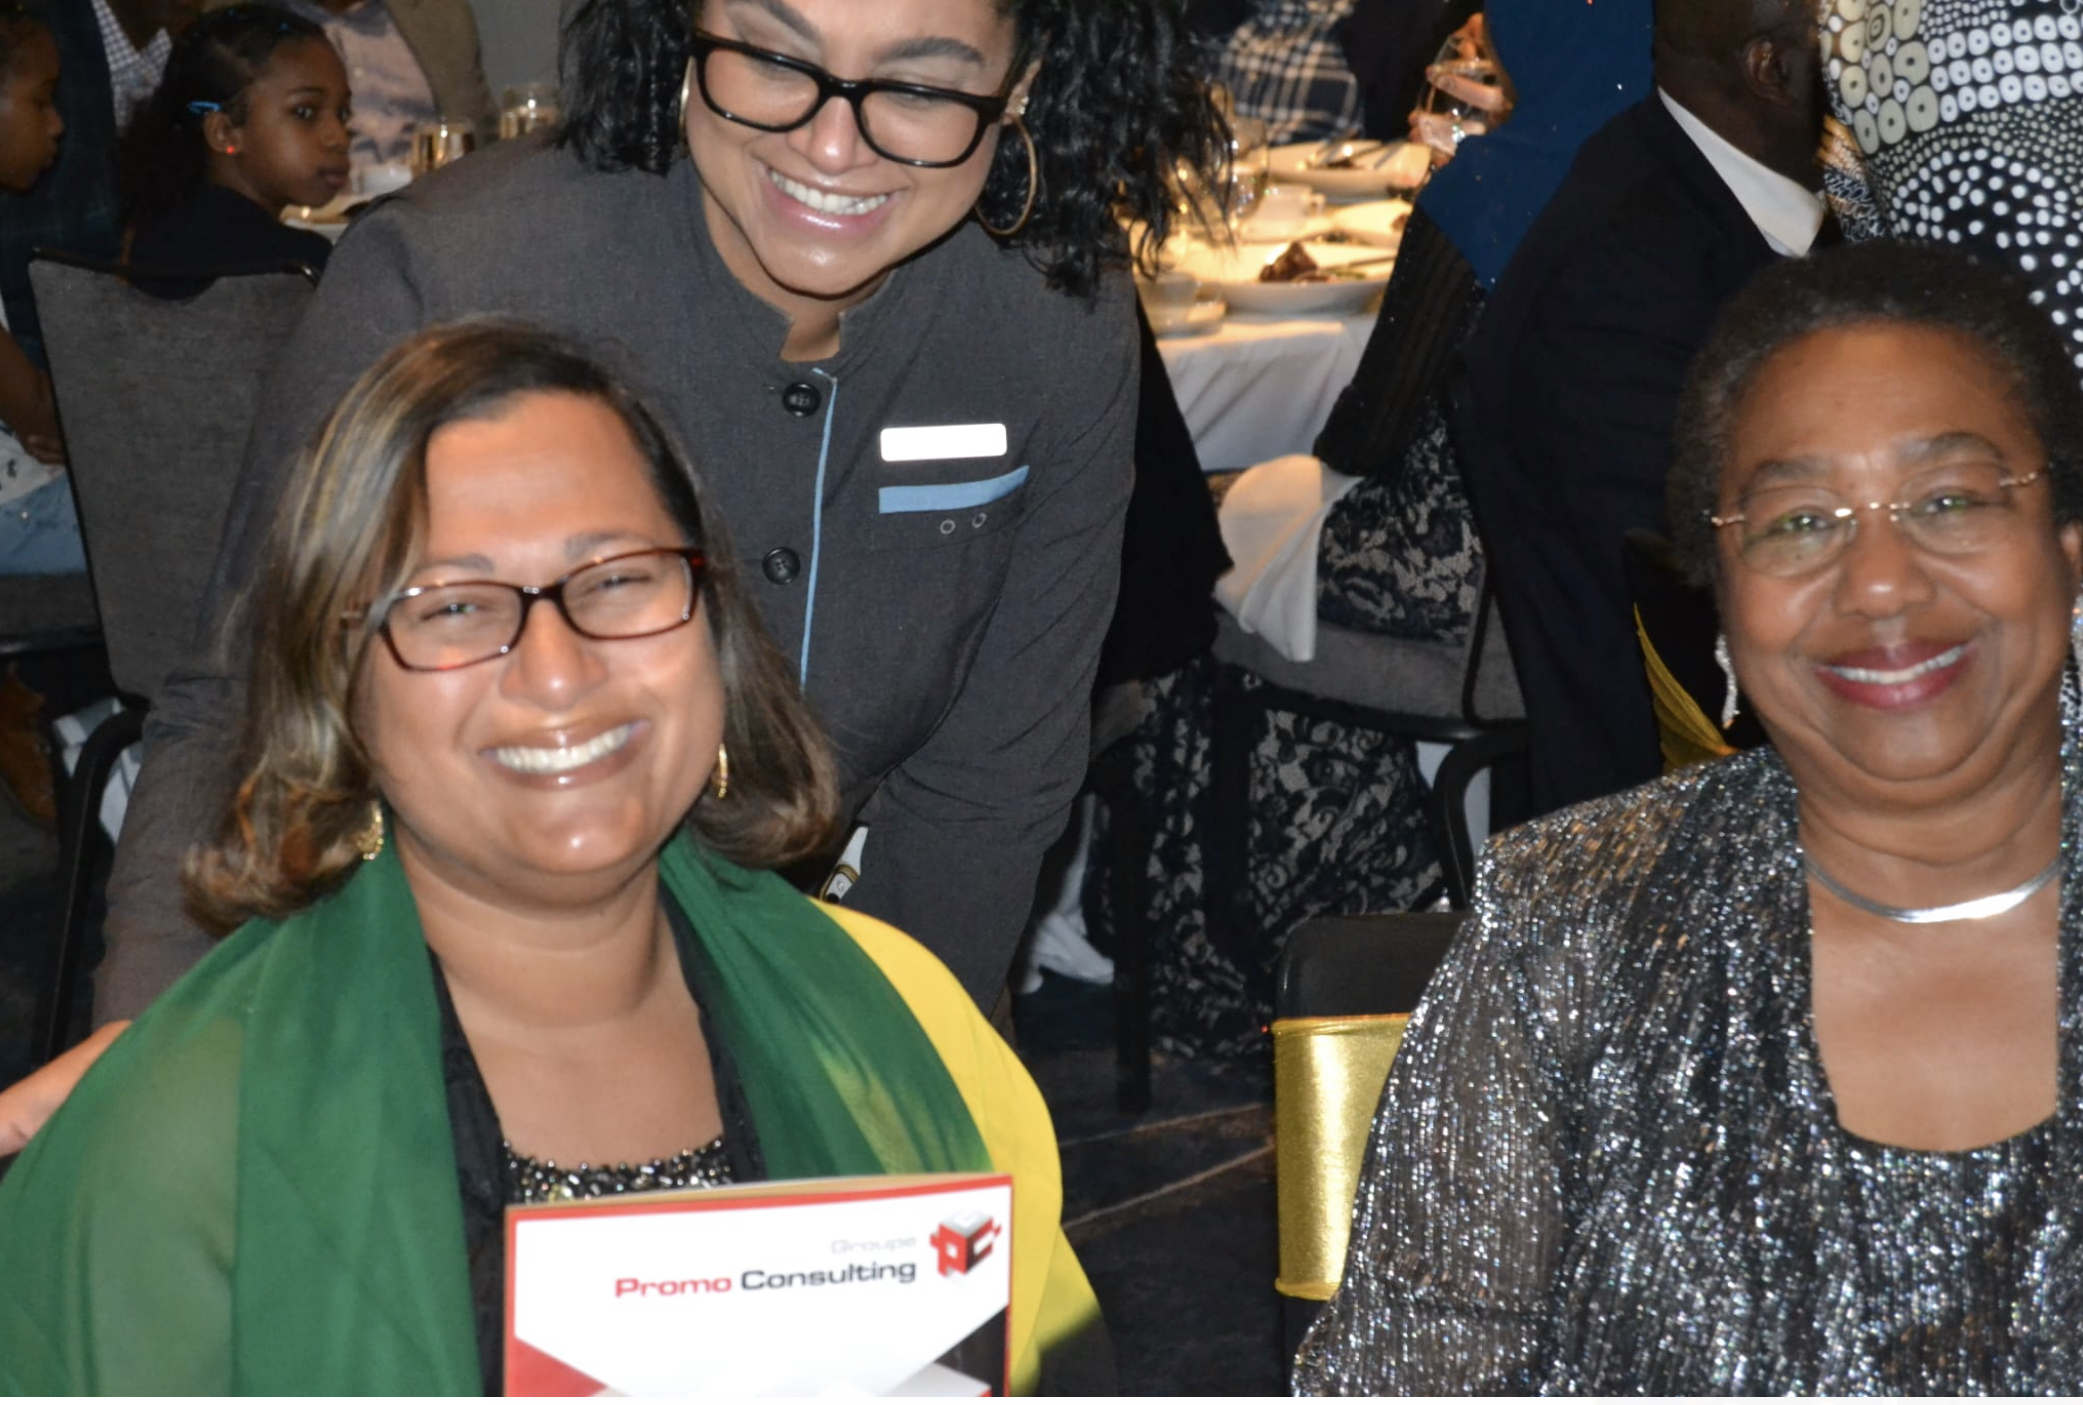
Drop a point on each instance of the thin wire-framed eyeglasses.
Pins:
(912, 124)
(1959, 510)
(434, 628)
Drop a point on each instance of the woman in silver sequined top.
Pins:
(1769, 1077)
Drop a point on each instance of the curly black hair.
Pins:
(1118, 102)
(1923, 285)
(18, 22)
(161, 157)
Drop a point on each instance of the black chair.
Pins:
(1345, 990)
(1463, 696)
(45, 614)
(1171, 555)
(156, 397)
(1111, 781)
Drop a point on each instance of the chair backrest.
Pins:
(1375, 964)
(1490, 686)
(1346, 988)
(156, 397)
(40, 613)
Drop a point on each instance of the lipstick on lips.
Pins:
(1899, 676)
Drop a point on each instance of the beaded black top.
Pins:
(532, 1182)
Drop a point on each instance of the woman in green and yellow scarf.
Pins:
(508, 930)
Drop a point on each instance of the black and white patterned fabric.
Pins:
(1399, 554)
(1337, 827)
(1286, 67)
(1968, 115)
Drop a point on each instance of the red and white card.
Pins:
(883, 1285)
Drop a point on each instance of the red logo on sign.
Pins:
(964, 1242)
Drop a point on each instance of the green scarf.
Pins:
(344, 1254)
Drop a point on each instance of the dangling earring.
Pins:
(686, 92)
(369, 842)
(1013, 119)
(720, 782)
(2076, 635)
(1728, 671)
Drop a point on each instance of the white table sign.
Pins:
(871, 1285)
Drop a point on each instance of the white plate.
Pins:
(1234, 272)
(1187, 320)
(329, 219)
(1261, 231)
(1378, 222)
(1403, 166)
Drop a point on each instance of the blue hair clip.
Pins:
(202, 105)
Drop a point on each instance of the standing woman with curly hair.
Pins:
(869, 254)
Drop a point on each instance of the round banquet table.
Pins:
(1257, 387)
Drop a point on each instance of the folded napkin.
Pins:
(1271, 520)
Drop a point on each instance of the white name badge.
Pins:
(878, 1285)
(943, 441)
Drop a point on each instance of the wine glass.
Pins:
(527, 107)
(1465, 94)
(440, 142)
(1251, 164)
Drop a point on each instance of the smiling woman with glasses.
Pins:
(873, 255)
(1768, 1078)
(909, 123)
(505, 930)
(458, 623)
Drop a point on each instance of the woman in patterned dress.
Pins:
(1337, 821)
(1965, 127)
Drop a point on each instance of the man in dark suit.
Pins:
(1576, 365)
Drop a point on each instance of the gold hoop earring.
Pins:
(686, 91)
(720, 781)
(1033, 183)
(369, 841)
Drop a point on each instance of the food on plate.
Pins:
(1293, 262)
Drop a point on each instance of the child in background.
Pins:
(38, 529)
(39, 533)
(250, 118)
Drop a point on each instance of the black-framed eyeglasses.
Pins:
(1960, 510)
(433, 628)
(909, 123)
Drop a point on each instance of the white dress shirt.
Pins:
(133, 73)
(1786, 212)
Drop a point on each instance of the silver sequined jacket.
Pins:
(1607, 1160)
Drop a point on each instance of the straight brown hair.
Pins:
(346, 537)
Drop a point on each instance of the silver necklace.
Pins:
(1973, 910)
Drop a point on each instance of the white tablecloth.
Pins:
(1259, 387)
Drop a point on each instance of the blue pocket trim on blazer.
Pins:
(951, 497)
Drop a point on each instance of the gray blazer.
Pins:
(945, 613)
